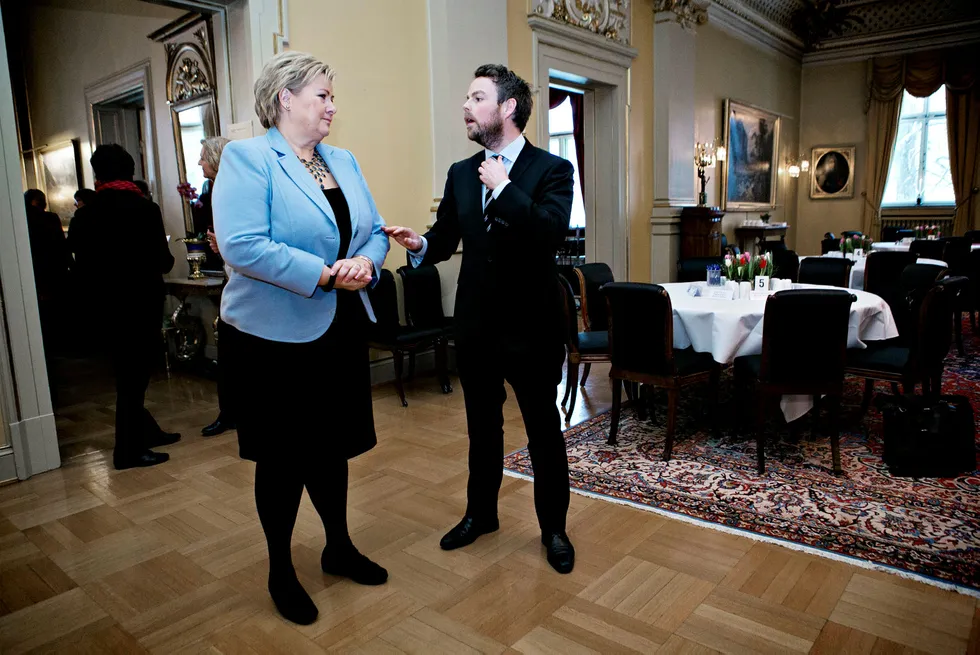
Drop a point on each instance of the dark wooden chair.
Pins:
(641, 340)
(904, 234)
(973, 236)
(883, 277)
(929, 248)
(693, 269)
(889, 233)
(921, 360)
(830, 271)
(828, 245)
(422, 290)
(786, 264)
(587, 347)
(959, 290)
(591, 277)
(388, 333)
(804, 350)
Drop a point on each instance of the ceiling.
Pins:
(878, 22)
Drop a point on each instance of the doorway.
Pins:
(570, 138)
(122, 120)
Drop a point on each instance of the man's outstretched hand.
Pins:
(406, 237)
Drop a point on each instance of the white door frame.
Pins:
(585, 59)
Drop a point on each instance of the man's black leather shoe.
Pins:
(561, 554)
(163, 439)
(217, 427)
(146, 458)
(466, 532)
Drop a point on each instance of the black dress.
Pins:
(305, 401)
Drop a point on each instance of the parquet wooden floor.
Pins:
(172, 559)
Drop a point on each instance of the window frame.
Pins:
(923, 118)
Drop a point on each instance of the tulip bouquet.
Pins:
(744, 267)
(189, 193)
(926, 231)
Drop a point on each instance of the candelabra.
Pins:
(705, 156)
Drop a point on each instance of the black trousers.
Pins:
(135, 353)
(534, 374)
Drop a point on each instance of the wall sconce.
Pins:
(797, 165)
(705, 156)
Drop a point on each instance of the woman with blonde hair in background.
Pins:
(298, 228)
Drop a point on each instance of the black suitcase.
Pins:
(928, 437)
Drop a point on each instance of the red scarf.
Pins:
(117, 185)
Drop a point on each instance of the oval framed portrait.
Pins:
(832, 172)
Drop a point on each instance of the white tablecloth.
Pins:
(857, 271)
(898, 245)
(731, 328)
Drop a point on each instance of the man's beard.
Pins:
(489, 134)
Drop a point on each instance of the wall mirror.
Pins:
(191, 95)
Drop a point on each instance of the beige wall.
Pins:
(729, 68)
(832, 112)
(520, 57)
(380, 51)
(72, 45)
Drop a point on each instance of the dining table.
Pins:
(732, 328)
(903, 246)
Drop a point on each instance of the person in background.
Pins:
(211, 149)
(83, 196)
(301, 250)
(51, 260)
(120, 212)
(144, 189)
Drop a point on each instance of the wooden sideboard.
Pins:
(751, 238)
(701, 232)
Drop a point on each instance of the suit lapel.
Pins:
(520, 165)
(297, 172)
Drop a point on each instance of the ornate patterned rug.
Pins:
(924, 528)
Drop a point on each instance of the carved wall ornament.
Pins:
(687, 12)
(190, 81)
(608, 18)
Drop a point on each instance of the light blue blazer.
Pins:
(276, 231)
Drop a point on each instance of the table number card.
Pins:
(761, 283)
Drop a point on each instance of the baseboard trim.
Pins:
(35, 431)
(8, 469)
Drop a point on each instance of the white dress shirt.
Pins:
(509, 153)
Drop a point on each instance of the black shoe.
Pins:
(349, 563)
(561, 554)
(163, 439)
(146, 458)
(217, 427)
(466, 532)
(291, 599)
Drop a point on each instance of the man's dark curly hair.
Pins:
(509, 85)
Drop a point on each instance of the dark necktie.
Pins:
(486, 202)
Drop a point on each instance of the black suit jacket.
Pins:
(49, 253)
(508, 292)
(121, 231)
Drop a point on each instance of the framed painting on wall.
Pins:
(832, 172)
(59, 171)
(752, 143)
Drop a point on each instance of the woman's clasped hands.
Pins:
(350, 274)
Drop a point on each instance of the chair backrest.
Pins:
(641, 328)
(693, 269)
(591, 277)
(423, 296)
(786, 264)
(973, 236)
(571, 317)
(932, 249)
(772, 245)
(904, 234)
(920, 277)
(957, 254)
(831, 271)
(883, 271)
(889, 233)
(804, 339)
(935, 330)
(829, 244)
(384, 300)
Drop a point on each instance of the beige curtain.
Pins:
(963, 126)
(921, 74)
(887, 82)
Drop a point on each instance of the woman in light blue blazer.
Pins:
(296, 224)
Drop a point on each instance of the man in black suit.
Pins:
(121, 214)
(510, 204)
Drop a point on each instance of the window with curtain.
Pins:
(561, 128)
(919, 173)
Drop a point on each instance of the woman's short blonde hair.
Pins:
(211, 150)
(287, 70)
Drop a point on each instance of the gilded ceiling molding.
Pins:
(608, 18)
(686, 12)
